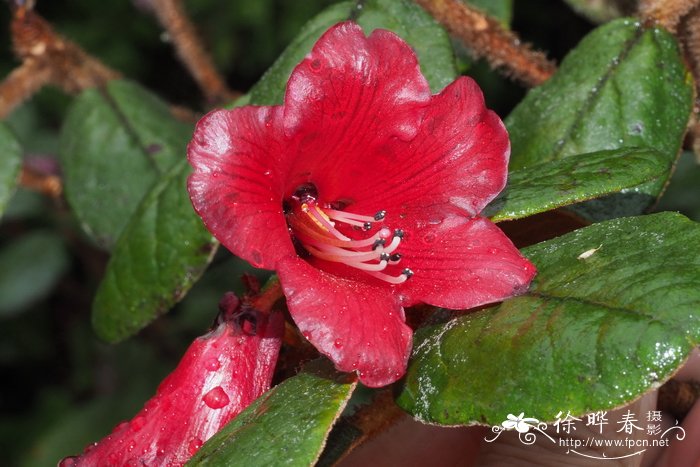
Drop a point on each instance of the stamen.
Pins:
(400, 279)
(322, 219)
(315, 230)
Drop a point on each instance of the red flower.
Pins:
(221, 373)
(363, 191)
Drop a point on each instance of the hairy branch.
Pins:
(666, 13)
(47, 58)
(172, 16)
(486, 38)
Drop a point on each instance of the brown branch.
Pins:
(47, 58)
(486, 38)
(46, 184)
(172, 16)
(22, 83)
(666, 13)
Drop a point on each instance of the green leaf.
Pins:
(429, 40)
(159, 256)
(601, 11)
(624, 85)
(499, 9)
(29, 268)
(405, 18)
(614, 310)
(114, 145)
(269, 90)
(571, 180)
(288, 425)
(10, 164)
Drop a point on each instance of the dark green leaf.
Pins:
(115, 144)
(159, 256)
(500, 9)
(286, 426)
(602, 11)
(403, 17)
(625, 85)
(571, 180)
(614, 310)
(429, 40)
(29, 268)
(10, 163)
(269, 90)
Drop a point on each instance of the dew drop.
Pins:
(256, 258)
(355, 364)
(429, 238)
(435, 221)
(137, 423)
(315, 64)
(212, 364)
(120, 427)
(267, 173)
(194, 446)
(338, 343)
(68, 461)
(307, 335)
(216, 398)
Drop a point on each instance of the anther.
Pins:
(384, 256)
(379, 215)
(367, 226)
(398, 233)
(396, 257)
(378, 242)
(407, 272)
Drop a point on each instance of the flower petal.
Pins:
(236, 186)
(462, 263)
(457, 162)
(350, 95)
(221, 373)
(359, 326)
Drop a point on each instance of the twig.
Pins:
(46, 184)
(47, 58)
(22, 83)
(172, 16)
(486, 38)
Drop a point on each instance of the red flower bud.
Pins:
(221, 373)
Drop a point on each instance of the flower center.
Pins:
(314, 228)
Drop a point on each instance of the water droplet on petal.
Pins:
(435, 221)
(194, 446)
(216, 398)
(120, 426)
(315, 64)
(429, 238)
(137, 423)
(338, 343)
(68, 461)
(212, 364)
(307, 335)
